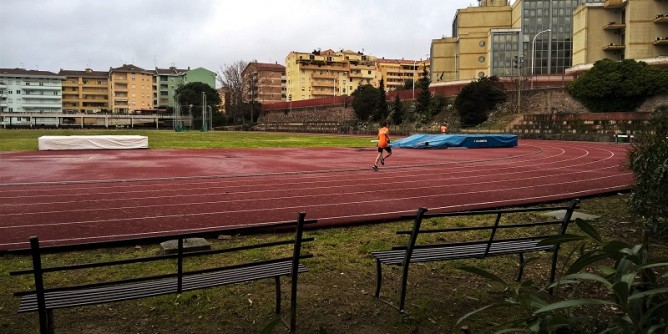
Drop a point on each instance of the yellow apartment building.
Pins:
(396, 72)
(466, 55)
(321, 74)
(264, 82)
(130, 89)
(620, 29)
(85, 91)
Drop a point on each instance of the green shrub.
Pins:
(648, 159)
(611, 86)
(634, 297)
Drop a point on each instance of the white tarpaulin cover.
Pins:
(92, 142)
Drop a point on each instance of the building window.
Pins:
(482, 43)
(481, 59)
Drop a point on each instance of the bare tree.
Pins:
(230, 78)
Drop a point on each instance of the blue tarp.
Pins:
(445, 141)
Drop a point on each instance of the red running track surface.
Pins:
(68, 197)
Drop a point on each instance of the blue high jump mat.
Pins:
(429, 141)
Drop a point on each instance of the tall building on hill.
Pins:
(546, 37)
(264, 83)
(321, 74)
(30, 91)
(131, 89)
(85, 91)
(620, 29)
(466, 55)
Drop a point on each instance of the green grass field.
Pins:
(26, 140)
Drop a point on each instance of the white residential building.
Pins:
(28, 92)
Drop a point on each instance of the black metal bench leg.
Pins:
(278, 294)
(379, 279)
(46, 322)
(404, 282)
(522, 263)
(553, 269)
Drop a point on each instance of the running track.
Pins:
(67, 197)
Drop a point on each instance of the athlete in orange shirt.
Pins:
(383, 144)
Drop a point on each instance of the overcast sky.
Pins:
(74, 34)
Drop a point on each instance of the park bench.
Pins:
(473, 241)
(150, 282)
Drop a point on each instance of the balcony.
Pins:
(41, 96)
(41, 104)
(362, 67)
(614, 4)
(662, 41)
(614, 47)
(316, 75)
(320, 83)
(661, 18)
(320, 66)
(614, 26)
(39, 87)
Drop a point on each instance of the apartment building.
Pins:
(165, 83)
(200, 74)
(264, 82)
(395, 73)
(620, 29)
(30, 91)
(466, 54)
(321, 74)
(131, 89)
(85, 91)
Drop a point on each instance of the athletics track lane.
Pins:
(69, 197)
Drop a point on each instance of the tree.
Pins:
(478, 99)
(648, 159)
(397, 114)
(365, 101)
(382, 110)
(191, 94)
(618, 85)
(231, 79)
(423, 101)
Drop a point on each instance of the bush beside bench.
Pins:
(492, 243)
(45, 299)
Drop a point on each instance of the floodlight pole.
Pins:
(533, 52)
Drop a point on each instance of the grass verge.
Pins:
(335, 296)
(27, 140)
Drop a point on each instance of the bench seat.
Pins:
(453, 252)
(478, 239)
(115, 293)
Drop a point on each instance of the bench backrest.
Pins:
(178, 270)
(487, 234)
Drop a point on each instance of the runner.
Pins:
(383, 144)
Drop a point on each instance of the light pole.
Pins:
(414, 70)
(533, 52)
(414, 62)
(336, 78)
